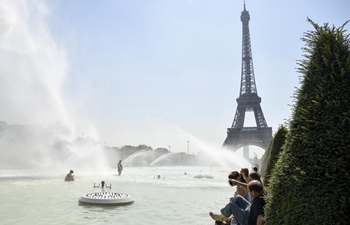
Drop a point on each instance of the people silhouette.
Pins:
(120, 168)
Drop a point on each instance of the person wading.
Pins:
(120, 168)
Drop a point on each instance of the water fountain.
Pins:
(210, 155)
(174, 159)
(41, 132)
(105, 197)
(144, 157)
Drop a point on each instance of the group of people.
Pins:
(246, 207)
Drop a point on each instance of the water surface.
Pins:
(176, 198)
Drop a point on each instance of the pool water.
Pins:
(163, 195)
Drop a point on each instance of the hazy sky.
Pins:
(160, 72)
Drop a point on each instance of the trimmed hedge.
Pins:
(272, 153)
(310, 182)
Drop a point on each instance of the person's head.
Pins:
(254, 176)
(255, 169)
(255, 188)
(233, 175)
(71, 171)
(102, 184)
(245, 172)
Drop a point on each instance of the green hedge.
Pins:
(271, 155)
(310, 183)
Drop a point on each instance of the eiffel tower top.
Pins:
(248, 85)
(246, 13)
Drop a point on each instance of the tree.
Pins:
(310, 182)
(272, 153)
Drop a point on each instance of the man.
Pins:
(238, 205)
(241, 186)
(256, 214)
(120, 168)
(69, 176)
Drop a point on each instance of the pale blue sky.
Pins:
(139, 68)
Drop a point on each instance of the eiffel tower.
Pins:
(248, 100)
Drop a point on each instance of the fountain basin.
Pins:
(106, 198)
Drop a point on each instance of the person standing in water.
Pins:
(69, 176)
(120, 168)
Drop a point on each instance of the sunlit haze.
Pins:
(154, 72)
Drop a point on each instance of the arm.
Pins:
(260, 220)
(238, 182)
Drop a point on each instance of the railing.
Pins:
(249, 128)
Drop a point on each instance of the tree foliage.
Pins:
(272, 153)
(310, 181)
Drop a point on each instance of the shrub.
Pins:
(310, 182)
(272, 153)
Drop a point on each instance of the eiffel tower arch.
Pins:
(248, 101)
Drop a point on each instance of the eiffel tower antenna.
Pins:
(248, 100)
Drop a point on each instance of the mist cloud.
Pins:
(38, 128)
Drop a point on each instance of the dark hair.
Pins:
(233, 175)
(255, 169)
(102, 184)
(255, 186)
(255, 176)
(71, 171)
